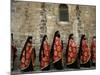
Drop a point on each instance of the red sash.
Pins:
(46, 58)
(93, 50)
(85, 57)
(57, 50)
(72, 52)
(29, 56)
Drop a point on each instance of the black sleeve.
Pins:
(67, 47)
(40, 55)
(52, 52)
(62, 44)
(79, 52)
(21, 54)
(34, 53)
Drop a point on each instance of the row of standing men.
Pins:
(84, 56)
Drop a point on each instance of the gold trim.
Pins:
(56, 60)
(44, 66)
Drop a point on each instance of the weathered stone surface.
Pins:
(26, 20)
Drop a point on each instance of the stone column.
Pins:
(43, 27)
(79, 27)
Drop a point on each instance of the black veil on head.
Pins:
(41, 47)
(29, 39)
(12, 39)
(70, 37)
(94, 37)
(82, 37)
(11, 36)
(57, 34)
(80, 46)
(24, 48)
(44, 38)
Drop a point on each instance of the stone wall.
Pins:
(26, 20)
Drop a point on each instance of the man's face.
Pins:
(84, 38)
(94, 39)
(72, 37)
(46, 39)
(59, 33)
(30, 40)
